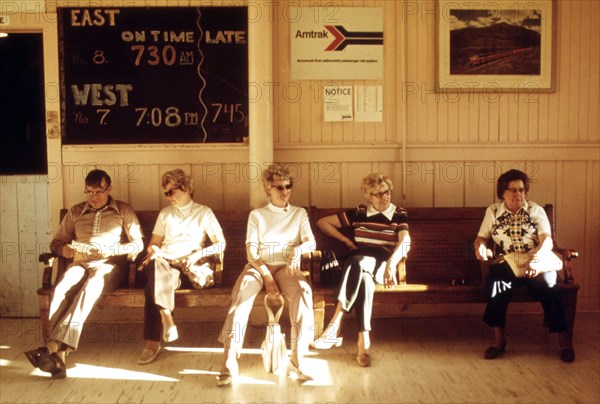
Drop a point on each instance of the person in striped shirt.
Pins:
(380, 239)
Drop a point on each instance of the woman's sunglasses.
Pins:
(282, 187)
(171, 191)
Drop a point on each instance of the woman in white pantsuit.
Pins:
(277, 235)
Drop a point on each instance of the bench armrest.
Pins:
(311, 267)
(567, 255)
(48, 260)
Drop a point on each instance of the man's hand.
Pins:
(96, 253)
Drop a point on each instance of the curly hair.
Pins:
(179, 179)
(274, 172)
(94, 178)
(373, 180)
(507, 178)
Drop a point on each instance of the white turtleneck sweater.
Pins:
(277, 231)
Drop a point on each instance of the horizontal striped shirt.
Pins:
(371, 227)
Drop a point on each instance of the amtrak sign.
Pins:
(337, 43)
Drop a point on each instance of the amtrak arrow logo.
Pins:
(343, 38)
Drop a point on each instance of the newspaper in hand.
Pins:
(87, 251)
(83, 248)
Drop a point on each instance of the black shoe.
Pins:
(58, 368)
(567, 355)
(35, 354)
(493, 352)
(46, 362)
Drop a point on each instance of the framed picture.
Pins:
(501, 45)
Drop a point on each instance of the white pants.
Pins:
(298, 295)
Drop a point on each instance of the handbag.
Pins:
(273, 348)
(546, 261)
(200, 276)
(331, 273)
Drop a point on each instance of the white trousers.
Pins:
(298, 296)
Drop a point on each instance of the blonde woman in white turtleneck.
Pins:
(277, 235)
(178, 242)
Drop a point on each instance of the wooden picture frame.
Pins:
(504, 45)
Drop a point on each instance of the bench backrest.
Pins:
(441, 244)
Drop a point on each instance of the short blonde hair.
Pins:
(373, 180)
(274, 172)
(179, 179)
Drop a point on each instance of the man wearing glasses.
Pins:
(101, 235)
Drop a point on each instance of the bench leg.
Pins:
(319, 314)
(44, 316)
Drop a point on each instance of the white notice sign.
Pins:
(368, 104)
(337, 103)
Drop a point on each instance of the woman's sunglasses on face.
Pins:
(282, 187)
(171, 191)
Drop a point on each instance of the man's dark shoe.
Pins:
(58, 368)
(47, 362)
(35, 354)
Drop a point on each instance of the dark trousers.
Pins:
(357, 288)
(499, 288)
(161, 282)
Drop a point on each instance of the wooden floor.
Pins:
(425, 360)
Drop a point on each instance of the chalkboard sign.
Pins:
(153, 75)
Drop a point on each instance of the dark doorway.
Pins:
(22, 122)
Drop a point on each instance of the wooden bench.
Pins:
(441, 267)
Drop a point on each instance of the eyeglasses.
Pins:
(380, 195)
(170, 191)
(515, 190)
(282, 187)
(94, 193)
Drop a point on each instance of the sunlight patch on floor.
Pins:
(317, 368)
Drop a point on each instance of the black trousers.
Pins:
(499, 288)
(161, 282)
(357, 288)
